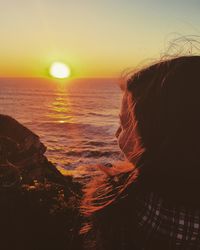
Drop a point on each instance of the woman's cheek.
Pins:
(125, 143)
(119, 130)
(130, 145)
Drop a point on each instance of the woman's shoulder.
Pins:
(160, 220)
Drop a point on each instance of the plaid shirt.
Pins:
(179, 227)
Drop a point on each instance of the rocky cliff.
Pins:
(38, 204)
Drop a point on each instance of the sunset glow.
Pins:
(59, 70)
(79, 32)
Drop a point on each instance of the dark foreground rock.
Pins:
(38, 205)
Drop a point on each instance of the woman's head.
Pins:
(161, 105)
(159, 133)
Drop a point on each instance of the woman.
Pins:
(156, 204)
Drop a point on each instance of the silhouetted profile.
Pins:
(156, 204)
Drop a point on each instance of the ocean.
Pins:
(75, 119)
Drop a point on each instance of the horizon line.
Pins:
(50, 78)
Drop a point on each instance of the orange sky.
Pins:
(96, 38)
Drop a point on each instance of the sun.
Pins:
(59, 70)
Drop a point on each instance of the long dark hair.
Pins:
(164, 101)
(167, 97)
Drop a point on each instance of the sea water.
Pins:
(75, 119)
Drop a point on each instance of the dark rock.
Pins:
(23, 149)
(39, 206)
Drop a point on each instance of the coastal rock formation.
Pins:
(21, 148)
(38, 204)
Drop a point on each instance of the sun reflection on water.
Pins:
(60, 108)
